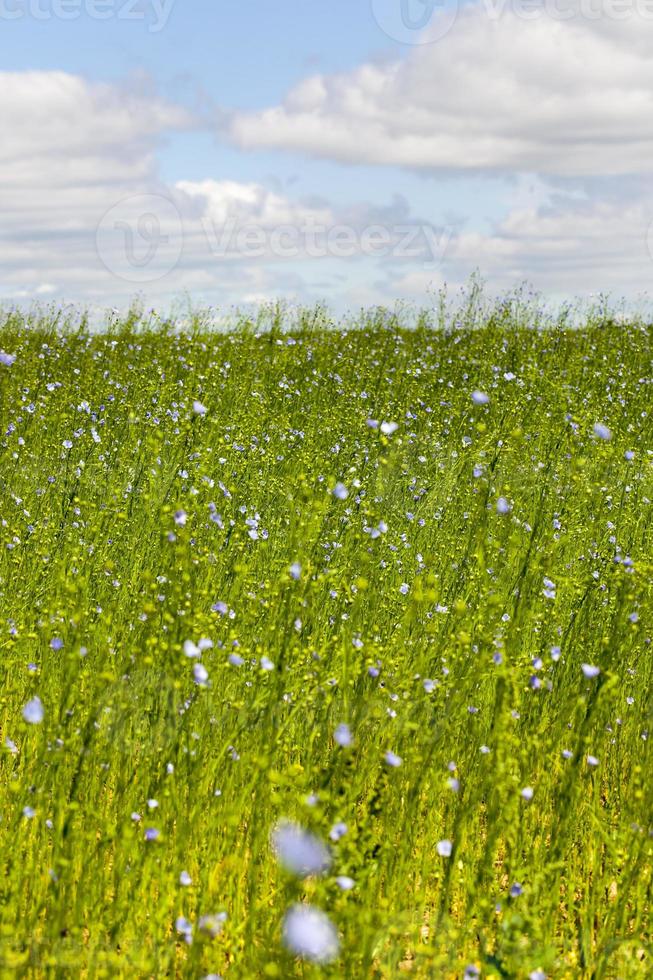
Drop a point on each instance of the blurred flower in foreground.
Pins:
(602, 432)
(337, 831)
(200, 674)
(184, 928)
(309, 933)
(33, 712)
(345, 882)
(342, 735)
(211, 925)
(299, 851)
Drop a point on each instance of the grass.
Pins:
(443, 610)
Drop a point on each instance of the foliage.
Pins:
(367, 542)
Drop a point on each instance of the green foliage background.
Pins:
(91, 553)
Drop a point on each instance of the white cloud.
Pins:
(86, 216)
(223, 200)
(79, 157)
(83, 125)
(69, 150)
(506, 94)
(569, 248)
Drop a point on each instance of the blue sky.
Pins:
(499, 133)
(228, 54)
(242, 53)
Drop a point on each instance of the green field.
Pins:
(421, 563)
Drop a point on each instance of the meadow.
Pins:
(326, 650)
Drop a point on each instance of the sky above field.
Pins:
(355, 152)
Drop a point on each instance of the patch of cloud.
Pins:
(87, 217)
(500, 93)
(568, 247)
(90, 219)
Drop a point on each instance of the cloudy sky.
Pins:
(349, 151)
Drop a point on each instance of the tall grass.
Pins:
(160, 486)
